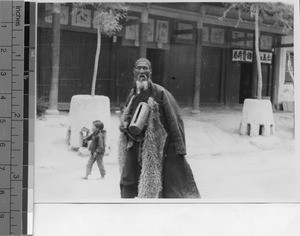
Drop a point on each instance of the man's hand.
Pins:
(95, 155)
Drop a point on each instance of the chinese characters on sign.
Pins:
(266, 57)
(241, 55)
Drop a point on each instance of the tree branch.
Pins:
(228, 10)
(240, 18)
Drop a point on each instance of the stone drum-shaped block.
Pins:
(84, 109)
(257, 118)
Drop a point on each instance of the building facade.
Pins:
(175, 35)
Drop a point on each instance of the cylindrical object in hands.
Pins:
(139, 118)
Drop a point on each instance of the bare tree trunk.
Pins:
(96, 62)
(259, 73)
(53, 94)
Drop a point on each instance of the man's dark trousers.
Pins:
(131, 173)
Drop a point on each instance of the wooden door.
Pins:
(86, 58)
(182, 72)
(124, 72)
(157, 59)
(44, 63)
(267, 82)
(76, 66)
(210, 75)
(246, 81)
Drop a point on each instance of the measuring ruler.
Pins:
(14, 122)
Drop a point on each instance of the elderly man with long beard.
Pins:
(152, 162)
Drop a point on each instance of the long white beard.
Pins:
(141, 85)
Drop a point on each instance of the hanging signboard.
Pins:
(217, 35)
(132, 31)
(82, 17)
(150, 30)
(266, 57)
(162, 31)
(64, 14)
(242, 55)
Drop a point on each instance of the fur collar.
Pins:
(150, 182)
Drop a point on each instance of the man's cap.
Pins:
(143, 60)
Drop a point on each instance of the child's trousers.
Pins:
(100, 164)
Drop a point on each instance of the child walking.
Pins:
(97, 149)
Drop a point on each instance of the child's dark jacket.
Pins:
(97, 144)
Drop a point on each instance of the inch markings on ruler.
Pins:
(11, 117)
(5, 119)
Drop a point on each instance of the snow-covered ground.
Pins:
(227, 167)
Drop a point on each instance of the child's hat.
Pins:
(98, 124)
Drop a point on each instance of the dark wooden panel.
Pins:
(234, 83)
(246, 83)
(43, 62)
(77, 54)
(182, 72)
(157, 59)
(77, 63)
(266, 80)
(126, 58)
(211, 75)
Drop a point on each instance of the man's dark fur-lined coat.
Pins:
(165, 172)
